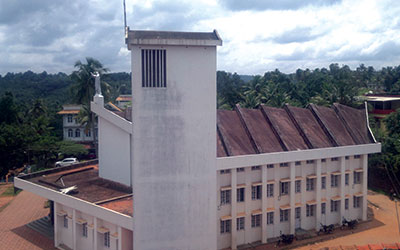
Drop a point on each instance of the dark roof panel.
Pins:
(310, 127)
(260, 131)
(334, 125)
(285, 128)
(233, 134)
(220, 147)
(356, 121)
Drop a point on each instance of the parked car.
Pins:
(66, 162)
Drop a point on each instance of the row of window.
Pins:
(256, 191)
(78, 133)
(106, 235)
(225, 225)
(286, 164)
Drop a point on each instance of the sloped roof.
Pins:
(245, 131)
(267, 129)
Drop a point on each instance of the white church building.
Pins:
(184, 175)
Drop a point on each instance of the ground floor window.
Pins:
(240, 223)
(270, 218)
(70, 133)
(357, 202)
(107, 239)
(323, 208)
(310, 210)
(256, 220)
(84, 230)
(225, 226)
(346, 204)
(334, 206)
(284, 215)
(298, 212)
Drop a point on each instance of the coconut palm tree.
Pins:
(83, 90)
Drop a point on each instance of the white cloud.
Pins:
(258, 35)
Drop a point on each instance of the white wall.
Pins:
(114, 153)
(174, 151)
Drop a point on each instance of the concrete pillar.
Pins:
(342, 186)
(119, 240)
(74, 229)
(318, 194)
(264, 204)
(55, 224)
(364, 161)
(233, 208)
(95, 233)
(292, 196)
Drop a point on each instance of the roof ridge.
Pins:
(325, 128)
(298, 126)
(274, 129)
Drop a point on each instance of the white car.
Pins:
(66, 162)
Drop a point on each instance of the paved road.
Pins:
(26, 207)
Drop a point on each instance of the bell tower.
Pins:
(174, 139)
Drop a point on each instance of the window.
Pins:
(334, 159)
(310, 184)
(310, 161)
(298, 186)
(240, 195)
(270, 218)
(225, 226)
(284, 215)
(357, 177)
(84, 230)
(270, 166)
(323, 160)
(347, 157)
(346, 179)
(70, 133)
(356, 202)
(334, 180)
(240, 170)
(284, 188)
(256, 220)
(270, 190)
(107, 239)
(297, 212)
(255, 168)
(65, 221)
(256, 192)
(334, 206)
(310, 210)
(154, 73)
(323, 182)
(357, 156)
(240, 223)
(226, 171)
(77, 132)
(323, 208)
(346, 204)
(69, 118)
(297, 163)
(225, 197)
(88, 134)
(284, 164)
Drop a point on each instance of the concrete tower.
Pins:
(174, 139)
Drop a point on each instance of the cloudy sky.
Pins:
(258, 35)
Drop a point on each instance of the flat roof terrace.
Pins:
(89, 186)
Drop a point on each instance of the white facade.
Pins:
(173, 147)
(72, 129)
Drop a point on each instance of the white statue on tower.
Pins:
(97, 87)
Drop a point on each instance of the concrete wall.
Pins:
(114, 153)
(174, 151)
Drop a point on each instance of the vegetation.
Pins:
(31, 130)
